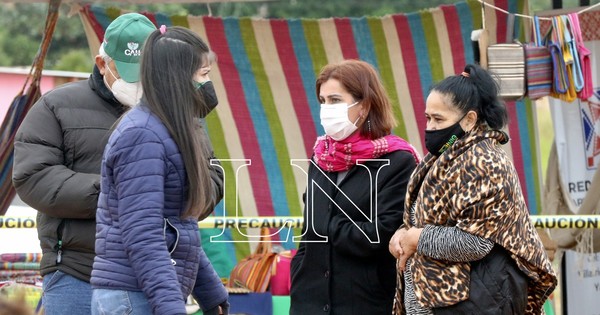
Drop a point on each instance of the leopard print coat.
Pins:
(474, 187)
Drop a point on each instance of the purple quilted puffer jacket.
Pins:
(141, 242)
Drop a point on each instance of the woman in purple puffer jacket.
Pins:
(156, 184)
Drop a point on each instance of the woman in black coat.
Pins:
(355, 199)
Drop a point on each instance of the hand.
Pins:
(394, 246)
(217, 310)
(224, 307)
(404, 244)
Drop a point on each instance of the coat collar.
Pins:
(96, 82)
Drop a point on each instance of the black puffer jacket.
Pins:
(58, 152)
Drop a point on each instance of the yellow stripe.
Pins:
(232, 136)
(591, 221)
(283, 101)
(90, 34)
(331, 42)
(401, 80)
(443, 41)
(490, 24)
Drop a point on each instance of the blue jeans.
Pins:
(65, 294)
(119, 302)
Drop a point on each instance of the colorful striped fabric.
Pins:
(16, 112)
(539, 71)
(21, 257)
(268, 112)
(6, 275)
(19, 266)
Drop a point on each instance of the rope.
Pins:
(529, 16)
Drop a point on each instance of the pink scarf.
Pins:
(336, 156)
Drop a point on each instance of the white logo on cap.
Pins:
(133, 49)
(133, 46)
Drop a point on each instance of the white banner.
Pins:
(577, 136)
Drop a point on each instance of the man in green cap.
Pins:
(58, 153)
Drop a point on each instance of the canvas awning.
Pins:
(134, 1)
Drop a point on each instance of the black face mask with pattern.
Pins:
(438, 141)
(209, 94)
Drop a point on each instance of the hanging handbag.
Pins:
(254, 272)
(562, 62)
(538, 65)
(571, 45)
(507, 64)
(585, 62)
(281, 281)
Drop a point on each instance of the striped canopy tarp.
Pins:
(268, 111)
(19, 107)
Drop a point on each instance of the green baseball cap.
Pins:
(123, 42)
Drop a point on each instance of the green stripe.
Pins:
(279, 141)
(521, 7)
(314, 42)
(113, 13)
(533, 143)
(476, 13)
(180, 20)
(217, 138)
(385, 71)
(433, 46)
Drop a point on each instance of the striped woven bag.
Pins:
(538, 65)
(254, 272)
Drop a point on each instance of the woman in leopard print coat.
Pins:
(467, 245)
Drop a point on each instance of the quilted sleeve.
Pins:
(39, 174)
(208, 291)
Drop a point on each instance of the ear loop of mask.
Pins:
(111, 73)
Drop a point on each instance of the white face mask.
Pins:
(334, 119)
(126, 93)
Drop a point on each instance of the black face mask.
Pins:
(438, 141)
(210, 96)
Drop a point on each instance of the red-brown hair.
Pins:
(361, 80)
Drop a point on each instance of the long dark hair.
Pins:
(475, 90)
(361, 80)
(169, 62)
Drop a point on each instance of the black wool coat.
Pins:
(343, 265)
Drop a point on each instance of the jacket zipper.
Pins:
(59, 242)
(176, 239)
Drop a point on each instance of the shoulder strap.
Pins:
(571, 41)
(537, 38)
(561, 79)
(264, 246)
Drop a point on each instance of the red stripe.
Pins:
(346, 38)
(215, 31)
(289, 63)
(515, 141)
(501, 22)
(412, 71)
(455, 37)
(94, 23)
(150, 17)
